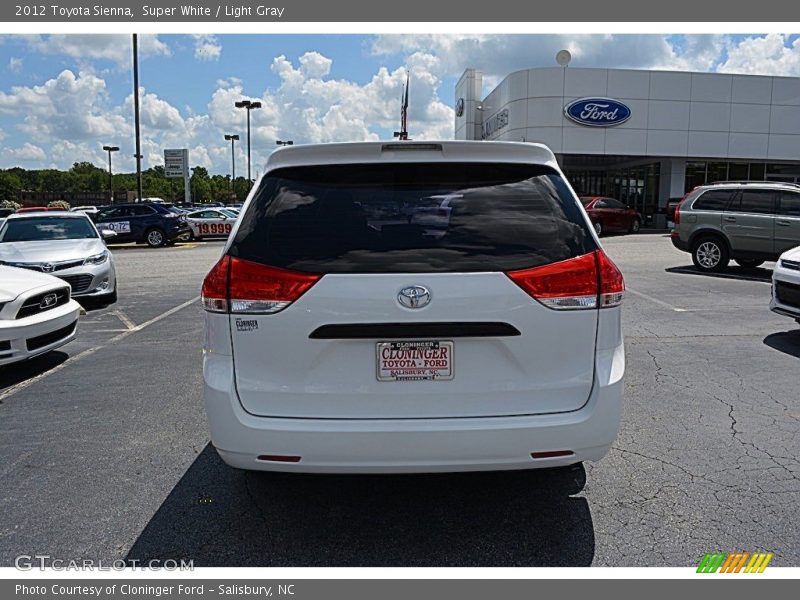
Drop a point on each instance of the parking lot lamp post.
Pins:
(232, 138)
(248, 105)
(110, 149)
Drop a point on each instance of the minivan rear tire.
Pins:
(710, 254)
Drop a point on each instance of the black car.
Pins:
(148, 223)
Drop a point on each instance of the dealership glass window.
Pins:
(738, 172)
(756, 172)
(716, 171)
(695, 175)
(783, 172)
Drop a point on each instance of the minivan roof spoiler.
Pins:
(300, 155)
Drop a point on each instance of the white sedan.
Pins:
(37, 314)
(786, 285)
(210, 222)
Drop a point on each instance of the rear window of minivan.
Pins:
(378, 218)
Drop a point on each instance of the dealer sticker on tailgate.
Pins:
(414, 361)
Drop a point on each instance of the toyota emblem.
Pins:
(414, 296)
(48, 267)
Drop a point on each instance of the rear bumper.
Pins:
(678, 242)
(412, 445)
(178, 231)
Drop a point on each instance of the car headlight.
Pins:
(97, 259)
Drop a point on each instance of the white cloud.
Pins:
(67, 107)
(315, 66)
(772, 54)
(498, 55)
(116, 48)
(206, 47)
(27, 153)
(15, 64)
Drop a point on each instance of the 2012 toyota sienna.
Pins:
(345, 335)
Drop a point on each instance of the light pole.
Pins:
(282, 143)
(136, 119)
(248, 105)
(232, 138)
(110, 149)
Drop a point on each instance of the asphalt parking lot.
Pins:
(104, 450)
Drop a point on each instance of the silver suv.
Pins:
(748, 222)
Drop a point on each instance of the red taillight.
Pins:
(586, 281)
(240, 286)
(215, 287)
(612, 284)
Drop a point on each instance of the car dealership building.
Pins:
(642, 137)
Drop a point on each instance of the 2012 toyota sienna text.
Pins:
(345, 335)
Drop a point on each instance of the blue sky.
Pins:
(63, 96)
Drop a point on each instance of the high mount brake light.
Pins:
(239, 286)
(584, 282)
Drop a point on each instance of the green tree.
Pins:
(10, 184)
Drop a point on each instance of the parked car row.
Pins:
(155, 223)
(65, 244)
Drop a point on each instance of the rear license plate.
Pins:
(414, 361)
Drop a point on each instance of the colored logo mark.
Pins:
(734, 562)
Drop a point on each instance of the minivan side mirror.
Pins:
(107, 234)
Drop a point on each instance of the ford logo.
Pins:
(597, 112)
(48, 301)
(414, 296)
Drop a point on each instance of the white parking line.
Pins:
(124, 318)
(656, 300)
(88, 352)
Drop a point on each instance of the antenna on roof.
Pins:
(403, 133)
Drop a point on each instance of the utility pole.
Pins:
(136, 117)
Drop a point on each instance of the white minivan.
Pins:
(342, 338)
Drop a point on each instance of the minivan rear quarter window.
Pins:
(412, 218)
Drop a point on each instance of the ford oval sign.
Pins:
(597, 112)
